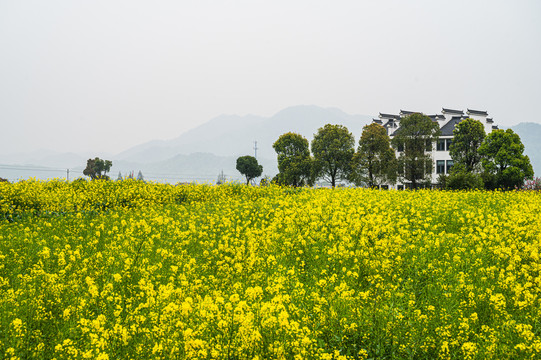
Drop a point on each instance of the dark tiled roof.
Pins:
(377, 121)
(447, 129)
(436, 117)
(495, 127)
(388, 116)
(451, 111)
(477, 112)
(490, 120)
(406, 112)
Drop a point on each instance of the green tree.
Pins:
(375, 160)
(504, 160)
(248, 166)
(97, 168)
(414, 140)
(333, 149)
(294, 161)
(468, 136)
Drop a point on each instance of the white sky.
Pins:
(106, 75)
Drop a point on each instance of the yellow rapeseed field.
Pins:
(109, 270)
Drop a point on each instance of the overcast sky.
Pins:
(106, 75)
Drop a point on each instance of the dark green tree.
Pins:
(97, 168)
(294, 161)
(333, 149)
(249, 167)
(414, 140)
(375, 160)
(468, 136)
(504, 161)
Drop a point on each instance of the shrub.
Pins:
(463, 180)
(534, 184)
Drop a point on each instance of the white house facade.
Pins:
(447, 120)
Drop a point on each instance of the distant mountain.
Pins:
(199, 154)
(232, 135)
(530, 134)
(203, 152)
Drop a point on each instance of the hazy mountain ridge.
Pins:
(202, 153)
(233, 135)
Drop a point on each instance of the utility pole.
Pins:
(255, 148)
(68, 174)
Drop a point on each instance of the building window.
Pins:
(441, 145)
(449, 165)
(440, 166)
(400, 187)
(448, 143)
(400, 147)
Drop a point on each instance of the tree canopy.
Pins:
(333, 149)
(375, 161)
(249, 167)
(413, 140)
(503, 159)
(294, 161)
(97, 168)
(468, 136)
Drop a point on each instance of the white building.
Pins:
(447, 121)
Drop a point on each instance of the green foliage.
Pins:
(503, 160)
(416, 134)
(464, 180)
(442, 181)
(468, 136)
(375, 161)
(294, 161)
(249, 167)
(97, 168)
(333, 149)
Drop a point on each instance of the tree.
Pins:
(248, 166)
(294, 162)
(414, 139)
(504, 161)
(333, 149)
(375, 161)
(468, 136)
(97, 168)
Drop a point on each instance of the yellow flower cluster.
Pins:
(107, 270)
